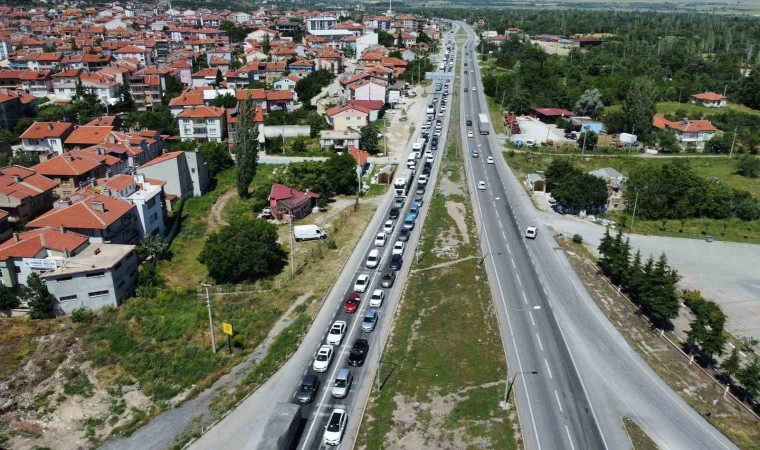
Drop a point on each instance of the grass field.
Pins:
(694, 108)
(721, 168)
(444, 361)
(639, 439)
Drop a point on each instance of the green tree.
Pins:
(227, 101)
(589, 104)
(749, 377)
(385, 39)
(244, 250)
(639, 107)
(8, 298)
(246, 147)
(173, 89)
(748, 166)
(216, 155)
(368, 140)
(37, 297)
(668, 142)
(749, 90)
(153, 248)
(158, 118)
(23, 124)
(299, 145)
(266, 46)
(731, 365)
(340, 170)
(309, 86)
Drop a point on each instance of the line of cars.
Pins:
(328, 353)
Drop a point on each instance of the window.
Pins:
(63, 279)
(96, 275)
(18, 269)
(98, 294)
(68, 298)
(192, 170)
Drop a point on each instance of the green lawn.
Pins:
(495, 111)
(693, 108)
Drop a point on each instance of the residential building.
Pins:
(184, 173)
(321, 23)
(339, 139)
(77, 168)
(134, 52)
(285, 201)
(348, 117)
(101, 275)
(37, 251)
(46, 138)
(688, 132)
(202, 124)
(85, 136)
(11, 110)
(24, 194)
(147, 86)
(207, 77)
(710, 99)
(101, 218)
(147, 195)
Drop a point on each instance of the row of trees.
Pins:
(673, 191)
(34, 294)
(651, 285)
(573, 188)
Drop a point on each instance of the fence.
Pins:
(289, 131)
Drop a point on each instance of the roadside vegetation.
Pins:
(443, 368)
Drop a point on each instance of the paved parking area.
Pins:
(531, 128)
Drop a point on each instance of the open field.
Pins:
(695, 388)
(443, 368)
(694, 108)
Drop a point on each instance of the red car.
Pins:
(352, 304)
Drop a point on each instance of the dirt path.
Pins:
(215, 217)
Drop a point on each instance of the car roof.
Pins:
(325, 347)
(310, 378)
(361, 342)
(363, 276)
(376, 291)
(374, 251)
(371, 313)
(343, 373)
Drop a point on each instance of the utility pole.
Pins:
(207, 288)
(731, 153)
(583, 150)
(292, 249)
(358, 186)
(635, 202)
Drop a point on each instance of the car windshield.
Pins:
(334, 424)
(339, 383)
(307, 387)
(335, 330)
(357, 351)
(322, 356)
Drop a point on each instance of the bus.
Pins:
(483, 123)
(403, 183)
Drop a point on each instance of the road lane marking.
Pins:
(519, 281)
(525, 297)
(539, 342)
(513, 262)
(569, 438)
(549, 369)
(531, 318)
(558, 402)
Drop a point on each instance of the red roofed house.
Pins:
(710, 99)
(550, 115)
(694, 132)
(99, 217)
(37, 251)
(24, 194)
(286, 201)
(360, 156)
(202, 124)
(77, 168)
(375, 107)
(184, 173)
(85, 136)
(46, 138)
(348, 117)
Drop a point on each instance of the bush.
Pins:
(577, 238)
(8, 298)
(82, 315)
(330, 244)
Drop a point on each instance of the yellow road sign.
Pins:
(227, 328)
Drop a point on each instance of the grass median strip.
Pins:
(444, 367)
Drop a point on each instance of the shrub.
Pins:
(82, 315)
(330, 244)
(577, 238)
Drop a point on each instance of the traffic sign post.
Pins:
(227, 329)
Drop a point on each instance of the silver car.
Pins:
(370, 321)
(342, 384)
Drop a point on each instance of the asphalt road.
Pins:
(575, 376)
(244, 427)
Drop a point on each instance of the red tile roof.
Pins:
(162, 158)
(709, 96)
(684, 126)
(43, 130)
(82, 214)
(31, 243)
(88, 135)
(201, 111)
(20, 182)
(359, 155)
(281, 192)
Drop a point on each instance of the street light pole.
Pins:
(511, 384)
(635, 202)
(292, 247)
(731, 153)
(207, 288)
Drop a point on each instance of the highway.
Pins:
(575, 376)
(244, 426)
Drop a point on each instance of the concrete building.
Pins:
(202, 124)
(46, 138)
(184, 173)
(147, 196)
(24, 194)
(321, 23)
(99, 276)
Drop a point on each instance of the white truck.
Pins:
(308, 233)
(628, 139)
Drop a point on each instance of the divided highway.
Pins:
(244, 427)
(574, 375)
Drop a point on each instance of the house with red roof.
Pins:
(37, 251)
(202, 124)
(24, 194)
(101, 218)
(85, 136)
(206, 77)
(133, 52)
(360, 156)
(688, 132)
(348, 117)
(78, 168)
(710, 99)
(46, 138)
(286, 201)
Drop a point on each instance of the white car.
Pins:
(530, 143)
(437, 133)
(423, 179)
(323, 358)
(380, 239)
(337, 331)
(388, 227)
(335, 427)
(474, 89)
(398, 248)
(376, 300)
(470, 134)
(481, 185)
(489, 160)
(373, 259)
(531, 232)
(430, 158)
(362, 281)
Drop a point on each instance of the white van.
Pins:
(411, 160)
(308, 233)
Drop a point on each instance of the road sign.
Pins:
(227, 328)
